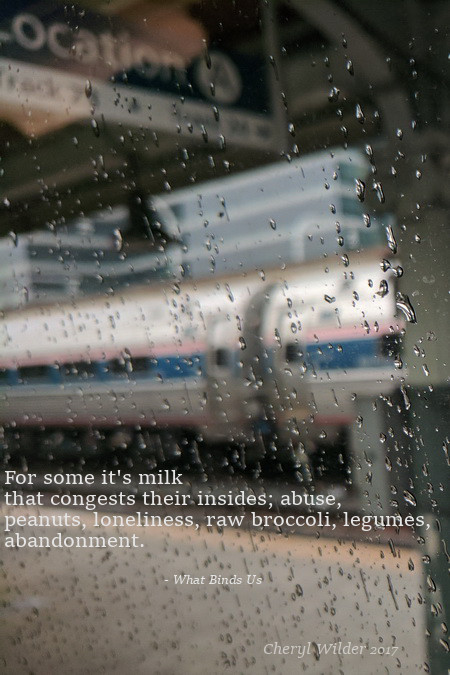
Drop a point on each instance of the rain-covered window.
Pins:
(224, 393)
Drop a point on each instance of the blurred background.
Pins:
(223, 245)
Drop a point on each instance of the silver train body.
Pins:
(233, 358)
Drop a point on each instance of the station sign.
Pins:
(60, 64)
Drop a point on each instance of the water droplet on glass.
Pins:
(95, 128)
(392, 243)
(118, 240)
(405, 397)
(359, 114)
(88, 88)
(403, 303)
(409, 498)
(206, 55)
(333, 94)
(444, 644)
(360, 189)
(384, 288)
(379, 191)
(431, 584)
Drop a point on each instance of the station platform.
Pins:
(121, 610)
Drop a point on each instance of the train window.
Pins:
(139, 365)
(222, 357)
(293, 352)
(130, 365)
(4, 375)
(102, 368)
(32, 373)
(119, 367)
(79, 370)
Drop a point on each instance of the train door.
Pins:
(225, 387)
(293, 390)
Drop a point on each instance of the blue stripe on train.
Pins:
(193, 365)
(362, 353)
(345, 355)
(163, 367)
(348, 354)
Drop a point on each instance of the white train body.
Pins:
(226, 358)
(280, 214)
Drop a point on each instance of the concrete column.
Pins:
(368, 459)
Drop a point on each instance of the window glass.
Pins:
(224, 325)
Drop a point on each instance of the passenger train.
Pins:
(249, 358)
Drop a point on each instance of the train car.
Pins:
(281, 214)
(242, 359)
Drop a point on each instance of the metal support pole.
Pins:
(368, 461)
(430, 425)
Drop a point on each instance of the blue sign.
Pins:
(73, 40)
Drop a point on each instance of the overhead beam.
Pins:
(366, 54)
